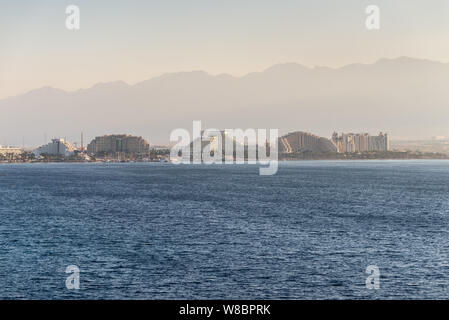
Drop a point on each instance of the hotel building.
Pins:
(57, 147)
(119, 143)
(361, 142)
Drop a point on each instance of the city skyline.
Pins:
(82, 146)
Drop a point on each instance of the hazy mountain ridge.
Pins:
(404, 96)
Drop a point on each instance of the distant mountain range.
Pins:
(406, 97)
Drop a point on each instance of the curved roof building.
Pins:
(303, 141)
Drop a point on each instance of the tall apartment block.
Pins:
(119, 143)
(361, 142)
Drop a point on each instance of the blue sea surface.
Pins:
(163, 231)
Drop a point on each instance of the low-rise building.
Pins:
(10, 151)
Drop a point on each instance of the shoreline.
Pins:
(281, 160)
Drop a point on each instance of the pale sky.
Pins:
(136, 40)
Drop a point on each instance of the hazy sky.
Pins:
(135, 40)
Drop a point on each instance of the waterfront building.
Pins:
(304, 142)
(119, 144)
(235, 145)
(361, 142)
(57, 147)
(196, 150)
(10, 151)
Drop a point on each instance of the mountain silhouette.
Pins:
(406, 97)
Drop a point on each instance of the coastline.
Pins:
(280, 160)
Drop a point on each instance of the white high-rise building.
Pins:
(56, 147)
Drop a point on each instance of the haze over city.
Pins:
(405, 97)
(126, 56)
